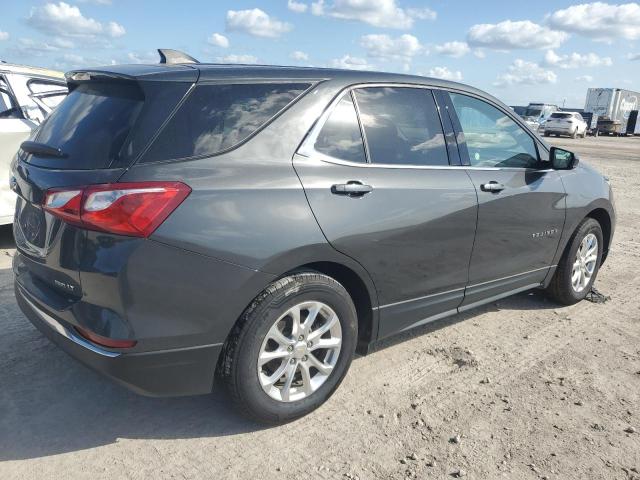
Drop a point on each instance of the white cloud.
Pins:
(317, 8)
(350, 63)
(522, 72)
(4, 35)
(382, 46)
(422, 13)
(453, 49)
(445, 74)
(379, 13)
(248, 59)
(256, 22)
(97, 2)
(66, 20)
(584, 78)
(509, 35)
(29, 46)
(146, 57)
(73, 60)
(576, 60)
(115, 30)
(599, 20)
(218, 40)
(299, 56)
(634, 56)
(297, 7)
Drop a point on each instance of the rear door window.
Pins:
(215, 118)
(401, 126)
(340, 136)
(91, 125)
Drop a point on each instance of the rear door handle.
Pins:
(352, 188)
(492, 186)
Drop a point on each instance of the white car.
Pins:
(27, 96)
(566, 123)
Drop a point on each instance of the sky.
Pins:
(521, 52)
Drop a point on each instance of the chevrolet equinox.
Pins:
(182, 222)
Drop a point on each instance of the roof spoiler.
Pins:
(169, 56)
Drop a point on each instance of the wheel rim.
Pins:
(585, 262)
(300, 351)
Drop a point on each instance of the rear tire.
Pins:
(574, 134)
(567, 287)
(268, 328)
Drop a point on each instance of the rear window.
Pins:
(561, 115)
(91, 124)
(215, 118)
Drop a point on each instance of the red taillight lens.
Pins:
(134, 209)
(104, 341)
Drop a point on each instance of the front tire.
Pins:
(578, 268)
(292, 348)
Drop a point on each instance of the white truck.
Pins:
(612, 106)
(27, 96)
(537, 113)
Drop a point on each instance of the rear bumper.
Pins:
(560, 130)
(184, 371)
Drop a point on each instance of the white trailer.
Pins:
(612, 106)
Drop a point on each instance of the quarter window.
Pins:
(340, 136)
(401, 126)
(217, 117)
(493, 139)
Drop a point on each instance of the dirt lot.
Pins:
(519, 389)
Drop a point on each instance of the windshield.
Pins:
(533, 112)
(561, 115)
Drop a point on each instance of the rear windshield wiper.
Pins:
(42, 149)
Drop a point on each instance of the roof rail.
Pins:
(169, 56)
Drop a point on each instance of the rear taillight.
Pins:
(133, 209)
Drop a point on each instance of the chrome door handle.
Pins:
(492, 186)
(352, 188)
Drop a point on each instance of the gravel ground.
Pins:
(519, 389)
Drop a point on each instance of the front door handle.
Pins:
(492, 186)
(352, 188)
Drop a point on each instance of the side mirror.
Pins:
(562, 159)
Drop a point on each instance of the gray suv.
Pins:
(178, 223)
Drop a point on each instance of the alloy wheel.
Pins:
(585, 262)
(299, 351)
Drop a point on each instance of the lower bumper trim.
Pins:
(67, 333)
(165, 373)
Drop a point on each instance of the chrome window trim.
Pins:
(307, 149)
(328, 159)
